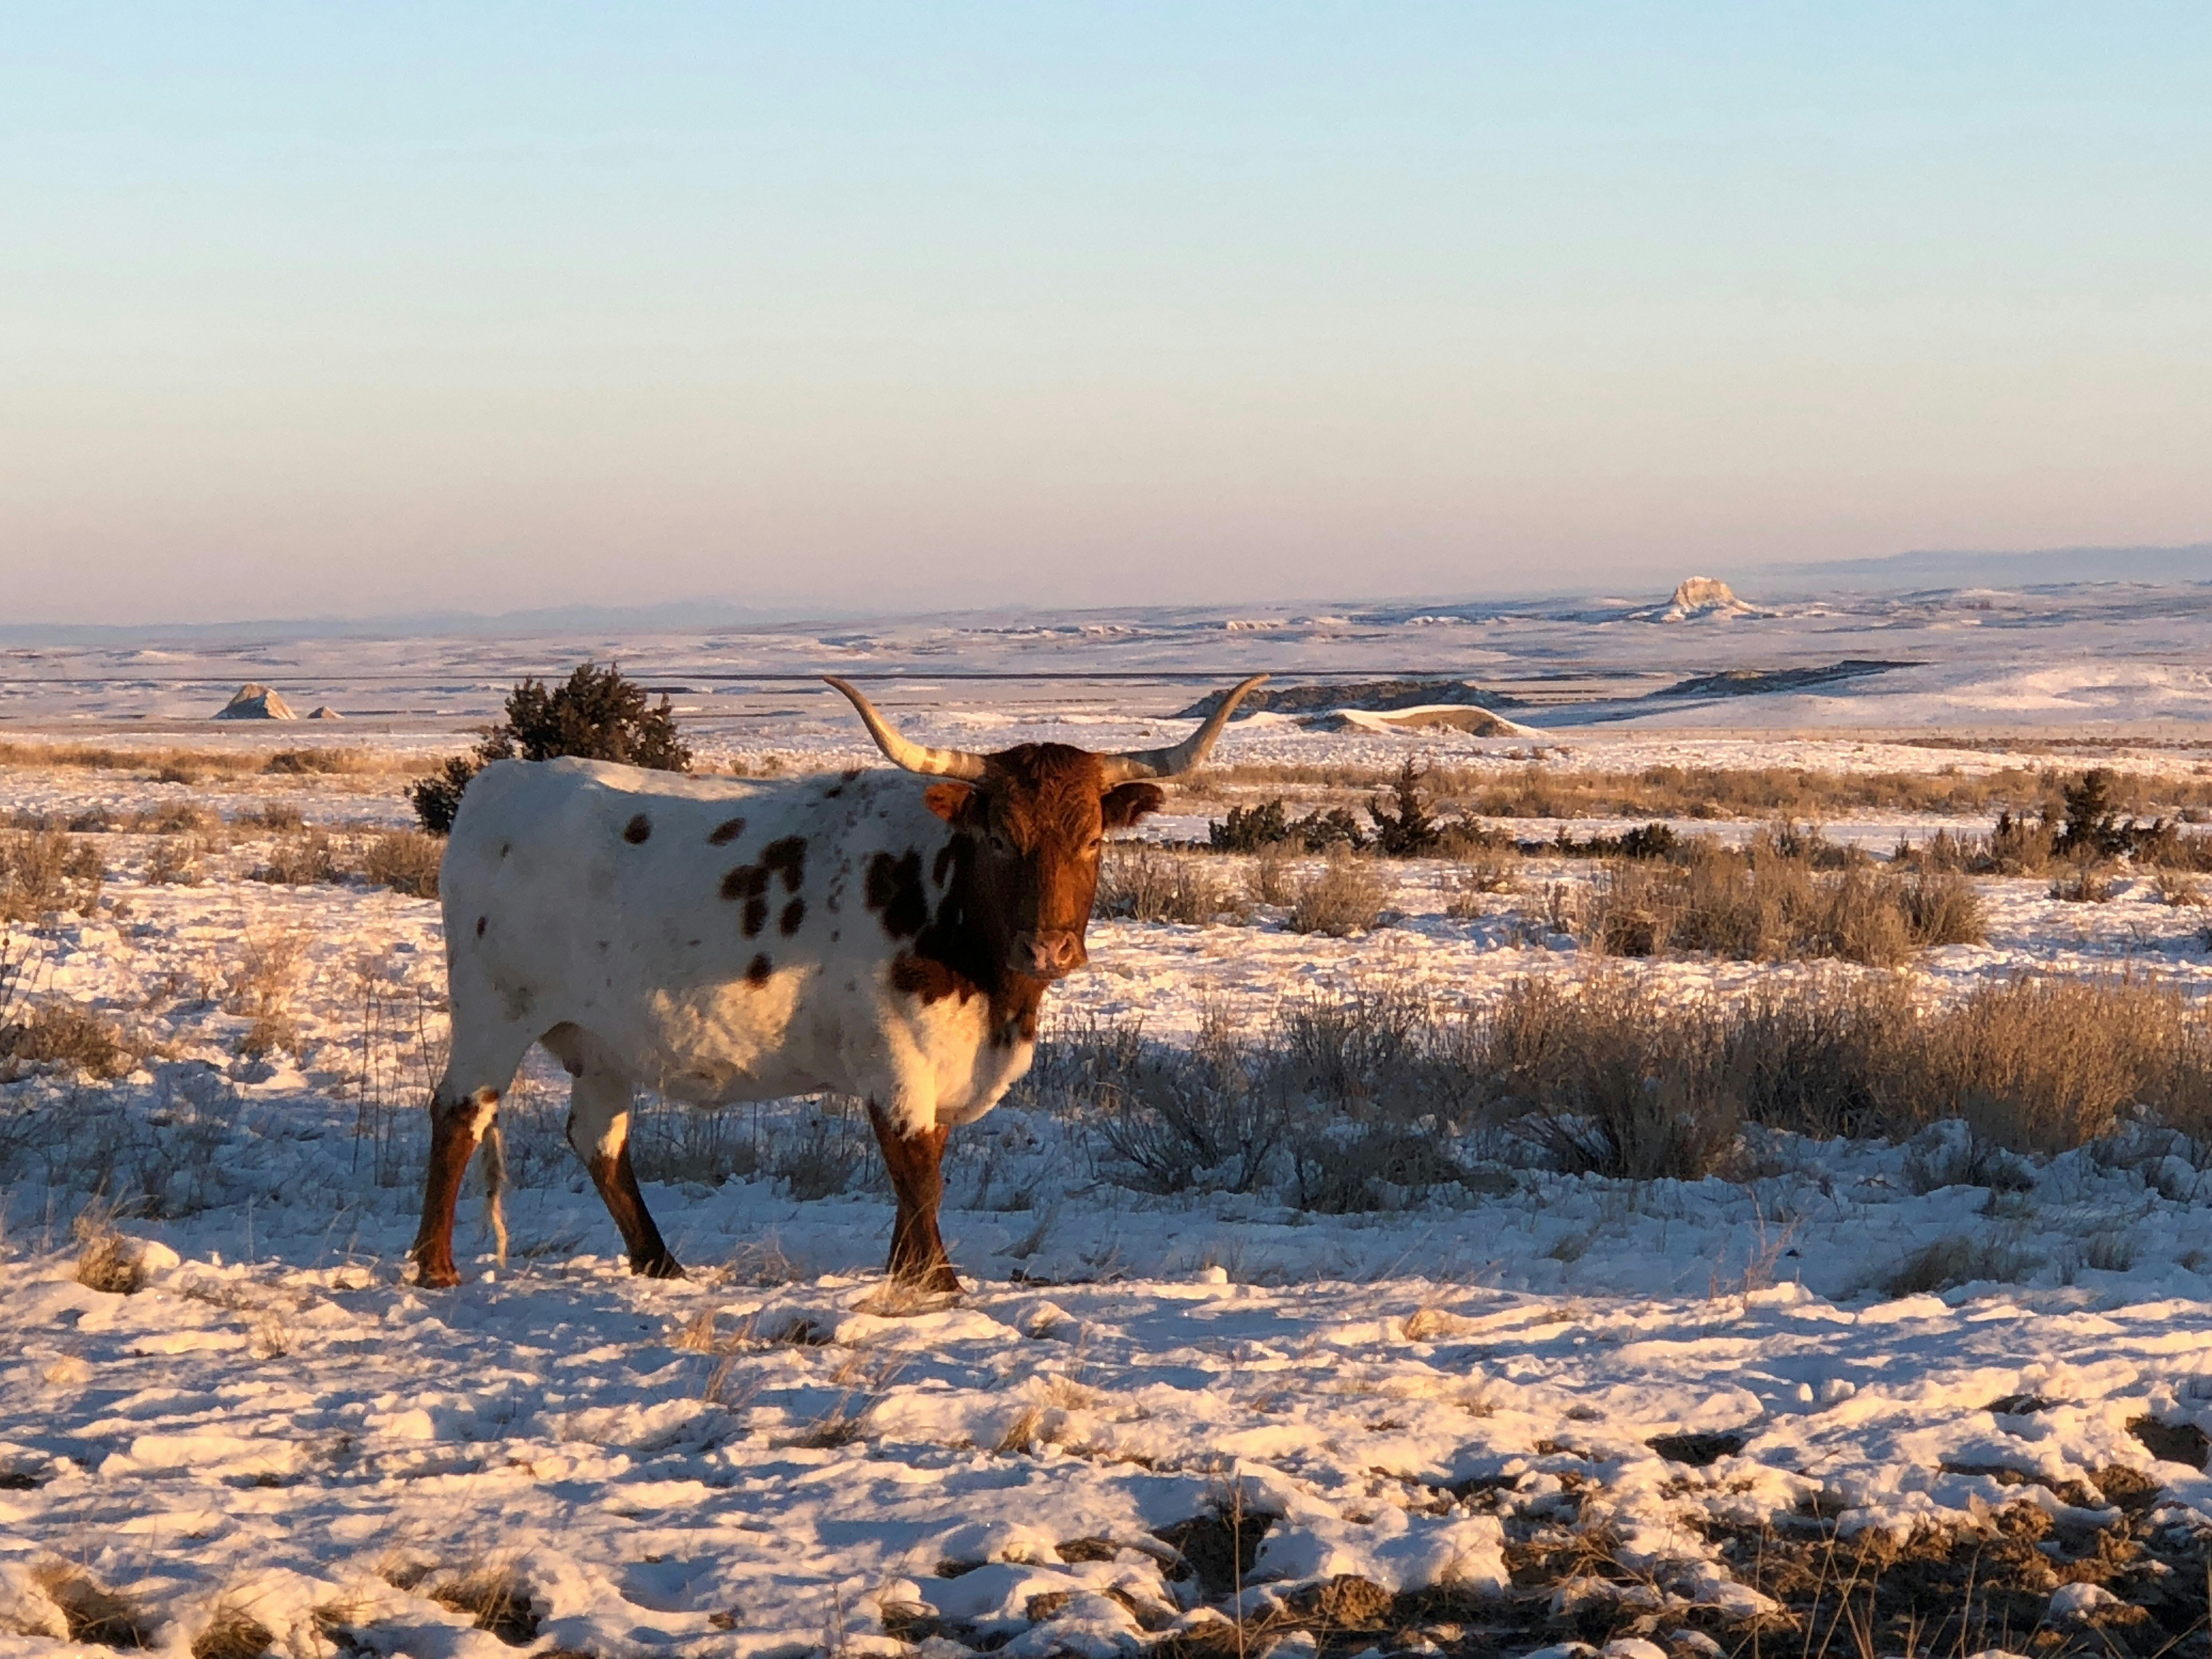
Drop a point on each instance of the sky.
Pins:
(349, 311)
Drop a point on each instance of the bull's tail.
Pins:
(494, 1174)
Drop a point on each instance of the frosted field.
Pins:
(1431, 1425)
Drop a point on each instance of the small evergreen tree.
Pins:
(1403, 826)
(597, 714)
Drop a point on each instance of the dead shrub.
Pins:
(405, 861)
(1943, 908)
(2089, 882)
(175, 862)
(43, 872)
(301, 860)
(2043, 1065)
(177, 818)
(1145, 883)
(259, 986)
(824, 1161)
(1212, 1115)
(1619, 1085)
(2180, 888)
(69, 1034)
(1347, 896)
(1622, 1083)
(1267, 880)
(282, 816)
(1384, 1168)
(1476, 878)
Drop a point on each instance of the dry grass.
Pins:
(2089, 882)
(1954, 1260)
(405, 861)
(195, 762)
(1145, 883)
(1475, 879)
(325, 762)
(2180, 888)
(1787, 894)
(175, 861)
(231, 1633)
(1347, 896)
(1334, 1103)
(301, 856)
(106, 1261)
(1269, 878)
(1541, 791)
(494, 1594)
(46, 870)
(69, 1034)
(92, 1613)
(260, 985)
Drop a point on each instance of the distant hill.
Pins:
(2048, 566)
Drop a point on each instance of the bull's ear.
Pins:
(950, 801)
(1124, 804)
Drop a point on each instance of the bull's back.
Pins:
(708, 930)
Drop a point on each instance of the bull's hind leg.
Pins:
(483, 1066)
(598, 1128)
(914, 1158)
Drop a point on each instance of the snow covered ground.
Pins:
(1446, 1400)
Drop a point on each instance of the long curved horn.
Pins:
(915, 756)
(1190, 752)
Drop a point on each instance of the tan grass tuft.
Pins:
(1347, 897)
(108, 1262)
(231, 1633)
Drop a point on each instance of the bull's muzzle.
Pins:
(1048, 953)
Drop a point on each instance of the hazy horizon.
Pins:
(864, 310)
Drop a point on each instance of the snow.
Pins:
(774, 1456)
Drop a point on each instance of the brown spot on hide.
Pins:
(756, 971)
(755, 915)
(787, 858)
(932, 982)
(895, 891)
(747, 881)
(793, 913)
(725, 832)
(480, 924)
(637, 830)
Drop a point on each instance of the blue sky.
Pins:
(324, 310)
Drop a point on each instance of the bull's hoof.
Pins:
(431, 1274)
(663, 1266)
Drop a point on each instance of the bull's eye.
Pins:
(1097, 845)
(1000, 845)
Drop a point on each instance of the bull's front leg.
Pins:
(915, 1158)
(456, 1126)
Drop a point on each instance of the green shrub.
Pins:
(596, 714)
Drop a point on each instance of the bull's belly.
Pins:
(723, 1045)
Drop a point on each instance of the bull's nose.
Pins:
(1048, 953)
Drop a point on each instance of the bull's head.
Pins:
(1035, 819)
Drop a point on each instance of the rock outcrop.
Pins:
(256, 702)
(1704, 596)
